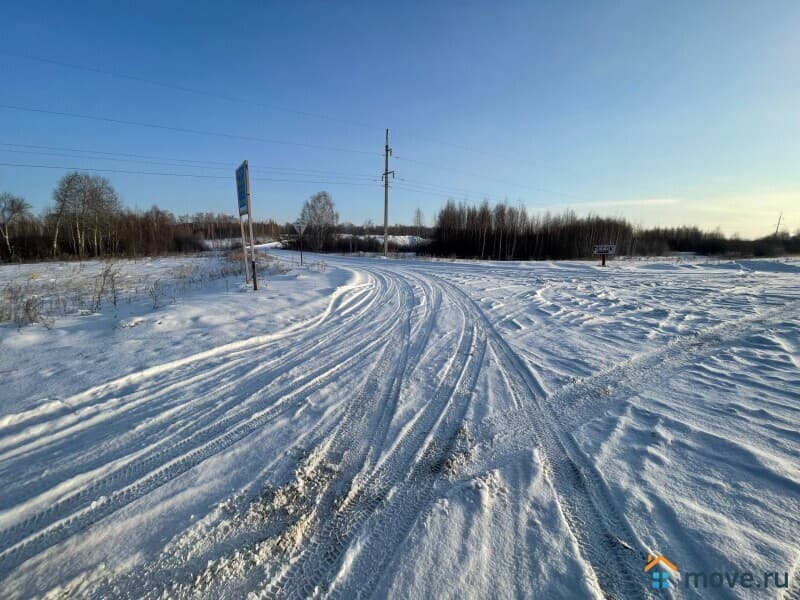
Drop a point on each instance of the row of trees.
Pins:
(87, 219)
(506, 232)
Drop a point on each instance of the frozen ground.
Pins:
(409, 428)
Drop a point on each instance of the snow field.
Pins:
(411, 428)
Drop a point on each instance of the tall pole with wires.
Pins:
(386, 173)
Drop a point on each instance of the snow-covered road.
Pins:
(412, 428)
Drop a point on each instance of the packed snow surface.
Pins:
(406, 428)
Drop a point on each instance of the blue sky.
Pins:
(663, 112)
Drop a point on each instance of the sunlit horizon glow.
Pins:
(747, 217)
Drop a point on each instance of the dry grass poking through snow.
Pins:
(41, 292)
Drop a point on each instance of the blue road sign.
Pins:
(243, 188)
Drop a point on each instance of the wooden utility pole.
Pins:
(386, 173)
(778, 226)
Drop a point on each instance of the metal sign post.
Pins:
(604, 250)
(243, 195)
(244, 251)
(300, 227)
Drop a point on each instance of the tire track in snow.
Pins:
(387, 496)
(176, 377)
(385, 531)
(155, 400)
(229, 354)
(605, 538)
(360, 428)
(77, 510)
(586, 397)
(365, 513)
(243, 558)
(81, 509)
(568, 408)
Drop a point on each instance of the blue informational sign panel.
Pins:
(243, 188)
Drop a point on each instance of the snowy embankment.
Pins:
(398, 241)
(411, 428)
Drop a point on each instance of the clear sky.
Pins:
(664, 112)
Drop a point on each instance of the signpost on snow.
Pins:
(243, 195)
(300, 227)
(604, 250)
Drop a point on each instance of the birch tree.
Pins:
(319, 214)
(13, 209)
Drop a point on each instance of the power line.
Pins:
(185, 130)
(229, 98)
(401, 183)
(175, 162)
(433, 187)
(410, 185)
(254, 138)
(502, 157)
(432, 193)
(111, 158)
(493, 179)
(297, 144)
(204, 162)
(215, 177)
(169, 174)
(181, 88)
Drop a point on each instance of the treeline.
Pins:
(87, 220)
(324, 233)
(661, 240)
(504, 232)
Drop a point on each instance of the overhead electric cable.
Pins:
(185, 129)
(174, 163)
(169, 174)
(229, 98)
(182, 88)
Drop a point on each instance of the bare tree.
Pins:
(320, 216)
(63, 196)
(419, 222)
(85, 204)
(13, 209)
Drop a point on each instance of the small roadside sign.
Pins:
(300, 227)
(605, 249)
